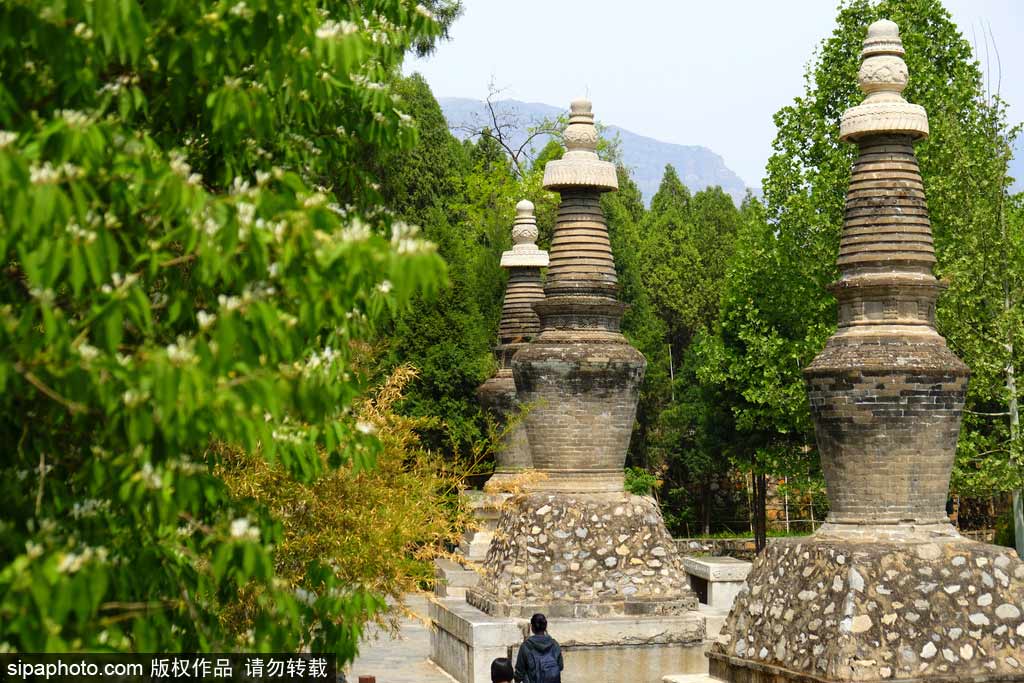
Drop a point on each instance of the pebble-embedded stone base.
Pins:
(836, 609)
(582, 555)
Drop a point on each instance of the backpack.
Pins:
(546, 667)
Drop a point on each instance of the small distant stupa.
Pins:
(519, 324)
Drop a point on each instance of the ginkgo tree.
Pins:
(192, 252)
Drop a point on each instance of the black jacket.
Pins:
(535, 644)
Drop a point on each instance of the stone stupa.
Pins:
(579, 545)
(519, 324)
(886, 589)
(576, 546)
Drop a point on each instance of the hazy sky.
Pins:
(700, 73)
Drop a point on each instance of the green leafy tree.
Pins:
(463, 198)
(688, 240)
(192, 250)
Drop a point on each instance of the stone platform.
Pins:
(839, 608)
(717, 580)
(595, 650)
(582, 555)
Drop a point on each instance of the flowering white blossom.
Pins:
(83, 31)
(285, 435)
(356, 232)
(80, 234)
(180, 353)
(119, 84)
(332, 29)
(365, 427)
(315, 199)
(70, 171)
(305, 596)
(205, 319)
(242, 11)
(179, 165)
(89, 507)
(72, 562)
(243, 528)
(6, 138)
(132, 398)
(44, 296)
(239, 185)
(73, 117)
(384, 287)
(246, 213)
(229, 303)
(87, 352)
(43, 175)
(405, 241)
(150, 476)
(124, 280)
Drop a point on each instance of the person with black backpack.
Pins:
(540, 657)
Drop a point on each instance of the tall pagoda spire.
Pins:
(886, 392)
(886, 589)
(576, 544)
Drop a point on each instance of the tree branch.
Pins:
(72, 407)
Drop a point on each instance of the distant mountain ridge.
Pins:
(698, 167)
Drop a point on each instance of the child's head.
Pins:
(501, 671)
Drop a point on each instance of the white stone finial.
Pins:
(883, 76)
(580, 135)
(524, 252)
(883, 38)
(580, 166)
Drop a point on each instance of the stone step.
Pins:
(452, 579)
(714, 620)
(690, 678)
(475, 547)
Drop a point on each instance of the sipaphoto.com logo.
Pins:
(303, 667)
(72, 668)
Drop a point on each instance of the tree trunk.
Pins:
(758, 512)
(706, 505)
(1011, 407)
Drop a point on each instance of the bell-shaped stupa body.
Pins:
(581, 376)
(886, 589)
(577, 545)
(519, 324)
